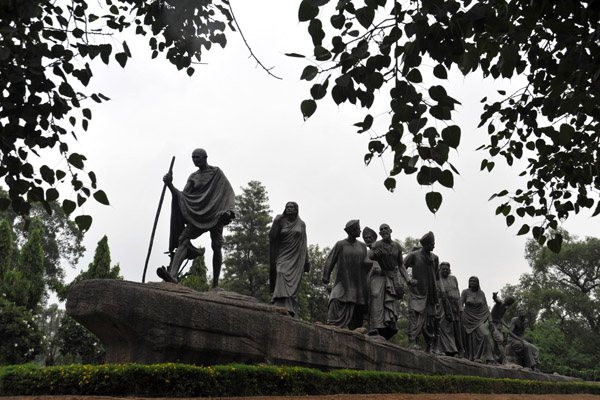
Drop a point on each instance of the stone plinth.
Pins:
(164, 322)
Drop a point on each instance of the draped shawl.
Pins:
(475, 310)
(209, 196)
(289, 255)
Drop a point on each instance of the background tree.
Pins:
(313, 295)
(247, 247)
(409, 244)
(21, 337)
(75, 342)
(6, 246)
(61, 242)
(551, 123)
(562, 296)
(47, 49)
(31, 266)
(196, 277)
(49, 320)
(100, 268)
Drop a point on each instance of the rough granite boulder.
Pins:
(164, 322)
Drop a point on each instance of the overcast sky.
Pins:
(251, 126)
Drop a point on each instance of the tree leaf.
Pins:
(101, 197)
(309, 73)
(439, 71)
(121, 59)
(365, 16)
(308, 108)
(390, 184)
(414, 76)
(83, 222)
(451, 136)
(76, 160)
(68, 206)
(446, 179)
(307, 11)
(524, 230)
(555, 243)
(434, 201)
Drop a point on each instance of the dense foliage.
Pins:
(247, 247)
(61, 241)
(21, 337)
(196, 278)
(76, 343)
(313, 295)
(562, 296)
(100, 268)
(408, 49)
(181, 380)
(47, 52)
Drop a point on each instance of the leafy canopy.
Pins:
(562, 297)
(364, 47)
(46, 54)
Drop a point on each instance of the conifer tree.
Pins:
(247, 248)
(31, 266)
(100, 268)
(196, 277)
(6, 247)
(75, 342)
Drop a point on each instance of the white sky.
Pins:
(251, 126)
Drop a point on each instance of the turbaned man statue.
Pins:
(205, 204)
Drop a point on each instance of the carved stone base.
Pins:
(164, 322)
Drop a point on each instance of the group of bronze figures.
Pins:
(370, 279)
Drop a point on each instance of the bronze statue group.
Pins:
(371, 276)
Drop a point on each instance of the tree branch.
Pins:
(268, 70)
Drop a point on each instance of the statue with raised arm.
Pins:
(423, 300)
(206, 204)
(384, 282)
(498, 310)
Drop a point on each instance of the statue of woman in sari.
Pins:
(475, 314)
(288, 257)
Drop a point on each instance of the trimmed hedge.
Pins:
(183, 380)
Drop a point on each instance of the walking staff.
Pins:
(162, 197)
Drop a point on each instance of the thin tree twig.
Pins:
(268, 70)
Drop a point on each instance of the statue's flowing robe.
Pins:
(450, 338)
(475, 314)
(422, 297)
(528, 353)
(348, 298)
(382, 288)
(202, 206)
(289, 254)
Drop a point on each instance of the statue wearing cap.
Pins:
(348, 298)
(384, 282)
(423, 301)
